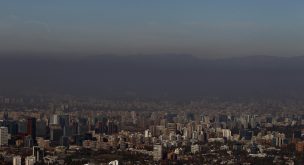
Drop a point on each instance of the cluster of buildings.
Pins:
(197, 132)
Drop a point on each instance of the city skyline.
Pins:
(151, 82)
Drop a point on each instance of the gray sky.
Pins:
(203, 28)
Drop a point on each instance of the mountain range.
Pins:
(156, 76)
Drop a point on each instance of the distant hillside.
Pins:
(176, 76)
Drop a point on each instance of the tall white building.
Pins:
(148, 133)
(30, 160)
(195, 148)
(226, 133)
(157, 152)
(17, 160)
(4, 136)
(114, 162)
(279, 139)
(54, 119)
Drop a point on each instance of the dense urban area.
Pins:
(71, 130)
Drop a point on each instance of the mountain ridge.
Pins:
(155, 76)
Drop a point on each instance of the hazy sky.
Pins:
(207, 28)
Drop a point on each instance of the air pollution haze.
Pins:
(173, 48)
(133, 82)
(175, 76)
(201, 28)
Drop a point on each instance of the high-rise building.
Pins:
(226, 133)
(41, 128)
(171, 127)
(279, 139)
(195, 148)
(134, 117)
(12, 127)
(31, 128)
(22, 126)
(30, 160)
(28, 141)
(152, 128)
(112, 128)
(300, 146)
(3, 136)
(157, 152)
(101, 127)
(54, 119)
(64, 120)
(38, 153)
(17, 160)
(114, 162)
(55, 133)
(64, 141)
(147, 133)
(75, 128)
(205, 119)
(5, 119)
